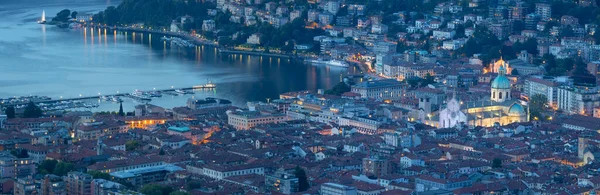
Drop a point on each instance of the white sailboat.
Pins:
(43, 20)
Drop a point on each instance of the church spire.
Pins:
(501, 70)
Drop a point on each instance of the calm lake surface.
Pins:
(46, 60)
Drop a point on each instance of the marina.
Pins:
(49, 104)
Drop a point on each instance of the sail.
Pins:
(43, 16)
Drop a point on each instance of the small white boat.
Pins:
(116, 99)
(43, 19)
(336, 63)
(179, 91)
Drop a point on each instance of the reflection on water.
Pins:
(45, 60)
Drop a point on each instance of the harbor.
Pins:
(87, 102)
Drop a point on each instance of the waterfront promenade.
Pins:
(195, 40)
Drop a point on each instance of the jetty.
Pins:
(5, 103)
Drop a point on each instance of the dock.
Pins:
(254, 53)
(209, 86)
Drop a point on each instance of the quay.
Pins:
(209, 86)
(190, 38)
(254, 53)
(187, 37)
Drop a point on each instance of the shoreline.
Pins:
(197, 42)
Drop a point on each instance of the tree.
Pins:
(63, 168)
(99, 175)
(514, 72)
(178, 193)
(121, 113)
(428, 80)
(338, 89)
(497, 163)
(47, 166)
(191, 185)
(537, 103)
(10, 112)
(131, 145)
(597, 34)
(155, 189)
(32, 111)
(62, 16)
(74, 14)
(580, 74)
(530, 46)
(518, 26)
(19, 153)
(567, 32)
(302, 180)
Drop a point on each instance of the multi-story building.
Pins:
(444, 34)
(105, 187)
(534, 86)
(53, 185)
(25, 186)
(384, 47)
(78, 183)
(208, 25)
(376, 166)
(282, 182)
(364, 125)
(402, 139)
(278, 21)
(96, 129)
(500, 29)
(332, 7)
(141, 175)
(222, 171)
(578, 100)
(326, 18)
(380, 89)
(426, 183)
(544, 10)
(245, 120)
(3, 119)
(531, 21)
(313, 16)
(295, 14)
(356, 9)
(126, 164)
(13, 167)
(337, 189)
(405, 71)
(254, 39)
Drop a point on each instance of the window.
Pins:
(499, 95)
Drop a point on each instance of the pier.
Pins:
(254, 53)
(208, 86)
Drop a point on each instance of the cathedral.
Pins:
(498, 108)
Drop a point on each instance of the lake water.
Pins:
(45, 60)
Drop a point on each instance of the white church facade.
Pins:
(499, 108)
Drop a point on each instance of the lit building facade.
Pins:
(248, 119)
(499, 108)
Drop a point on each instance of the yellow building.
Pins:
(498, 108)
